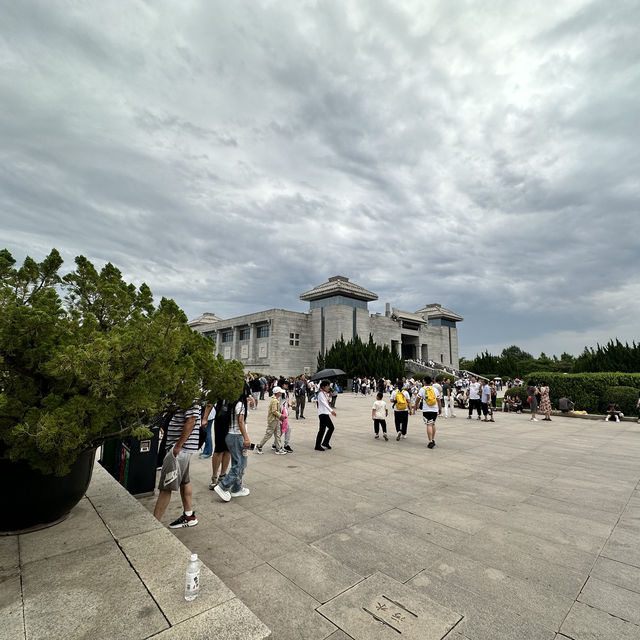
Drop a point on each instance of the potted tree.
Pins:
(83, 358)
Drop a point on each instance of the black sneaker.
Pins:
(318, 449)
(326, 446)
(258, 450)
(184, 521)
(273, 446)
(431, 444)
(288, 449)
(399, 435)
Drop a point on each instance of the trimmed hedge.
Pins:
(589, 391)
(625, 397)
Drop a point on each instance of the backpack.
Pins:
(401, 401)
(430, 396)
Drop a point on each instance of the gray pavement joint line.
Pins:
(454, 627)
(24, 616)
(126, 557)
(604, 544)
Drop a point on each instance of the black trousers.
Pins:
(475, 403)
(325, 424)
(379, 422)
(401, 419)
(300, 402)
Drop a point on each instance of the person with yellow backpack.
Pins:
(429, 399)
(400, 400)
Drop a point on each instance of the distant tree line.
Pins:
(513, 362)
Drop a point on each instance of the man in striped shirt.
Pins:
(182, 442)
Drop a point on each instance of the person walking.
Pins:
(300, 392)
(532, 390)
(485, 401)
(473, 394)
(545, 401)
(325, 411)
(221, 456)
(182, 442)
(379, 413)
(238, 444)
(400, 400)
(274, 415)
(447, 399)
(429, 398)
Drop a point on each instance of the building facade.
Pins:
(281, 342)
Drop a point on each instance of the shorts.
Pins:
(429, 417)
(175, 470)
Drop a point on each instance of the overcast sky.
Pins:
(482, 155)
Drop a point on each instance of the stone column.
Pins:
(252, 343)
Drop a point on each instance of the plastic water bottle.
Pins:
(192, 584)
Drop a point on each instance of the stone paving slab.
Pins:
(380, 608)
(9, 553)
(483, 619)
(609, 597)
(83, 528)
(521, 552)
(316, 573)
(527, 599)
(88, 593)
(614, 572)
(283, 606)
(228, 621)
(162, 573)
(587, 623)
(11, 618)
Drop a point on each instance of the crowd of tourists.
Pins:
(220, 431)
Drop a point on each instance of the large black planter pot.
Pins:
(29, 498)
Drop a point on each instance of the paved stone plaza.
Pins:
(508, 530)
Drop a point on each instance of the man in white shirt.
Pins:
(473, 393)
(430, 411)
(325, 411)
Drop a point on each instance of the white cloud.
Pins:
(236, 154)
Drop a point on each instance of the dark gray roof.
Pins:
(338, 286)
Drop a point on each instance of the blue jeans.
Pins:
(207, 450)
(233, 479)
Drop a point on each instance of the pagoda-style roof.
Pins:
(407, 315)
(435, 310)
(338, 286)
(205, 318)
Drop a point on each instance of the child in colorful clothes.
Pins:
(379, 413)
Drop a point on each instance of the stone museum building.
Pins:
(281, 342)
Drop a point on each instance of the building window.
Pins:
(227, 336)
(294, 339)
(244, 334)
(442, 357)
(263, 331)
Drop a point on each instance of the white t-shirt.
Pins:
(486, 393)
(234, 427)
(406, 395)
(474, 391)
(422, 395)
(380, 408)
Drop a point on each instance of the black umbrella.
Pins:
(327, 373)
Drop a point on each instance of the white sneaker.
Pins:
(225, 495)
(533, 419)
(404, 437)
(281, 452)
(238, 494)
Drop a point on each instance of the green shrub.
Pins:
(520, 392)
(586, 390)
(625, 397)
